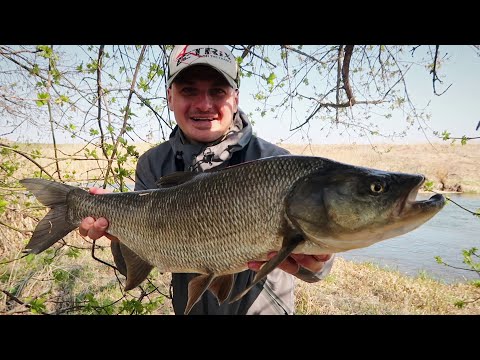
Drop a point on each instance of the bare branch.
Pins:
(18, 301)
(435, 77)
(126, 116)
(100, 96)
(346, 74)
(27, 157)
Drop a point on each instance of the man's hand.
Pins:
(292, 264)
(95, 228)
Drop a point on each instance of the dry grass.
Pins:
(353, 288)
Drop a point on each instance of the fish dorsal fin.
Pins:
(196, 287)
(222, 286)
(290, 242)
(175, 178)
(118, 257)
(137, 268)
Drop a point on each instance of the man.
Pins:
(212, 132)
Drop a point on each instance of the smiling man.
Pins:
(212, 132)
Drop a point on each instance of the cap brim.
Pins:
(230, 81)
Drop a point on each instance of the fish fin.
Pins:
(196, 288)
(222, 286)
(175, 178)
(118, 257)
(48, 192)
(290, 242)
(137, 268)
(53, 226)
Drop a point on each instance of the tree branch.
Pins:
(100, 96)
(346, 74)
(18, 301)
(27, 157)
(435, 77)
(126, 116)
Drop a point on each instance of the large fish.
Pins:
(213, 223)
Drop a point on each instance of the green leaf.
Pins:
(45, 51)
(445, 135)
(428, 185)
(37, 305)
(35, 69)
(271, 78)
(29, 258)
(42, 99)
(73, 253)
(62, 99)
(60, 275)
(3, 205)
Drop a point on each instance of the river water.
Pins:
(446, 235)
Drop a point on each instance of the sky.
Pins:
(456, 111)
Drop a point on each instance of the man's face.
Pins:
(203, 104)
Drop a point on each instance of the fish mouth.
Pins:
(410, 203)
(435, 201)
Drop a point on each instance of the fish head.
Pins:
(346, 207)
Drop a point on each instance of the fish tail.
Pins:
(54, 225)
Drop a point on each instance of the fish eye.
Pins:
(377, 187)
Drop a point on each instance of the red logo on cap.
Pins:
(182, 53)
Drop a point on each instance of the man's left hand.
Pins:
(292, 264)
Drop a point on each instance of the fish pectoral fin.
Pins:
(222, 286)
(118, 257)
(196, 287)
(137, 268)
(290, 242)
(175, 178)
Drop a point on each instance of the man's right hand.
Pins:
(95, 228)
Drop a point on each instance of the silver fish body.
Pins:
(213, 223)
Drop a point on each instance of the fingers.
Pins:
(92, 228)
(96, 191)
(292, 264)
(314, 263)
(255, 265)
(289, 265)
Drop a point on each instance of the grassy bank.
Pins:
(365, 288)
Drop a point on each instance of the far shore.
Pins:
(451, 168)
